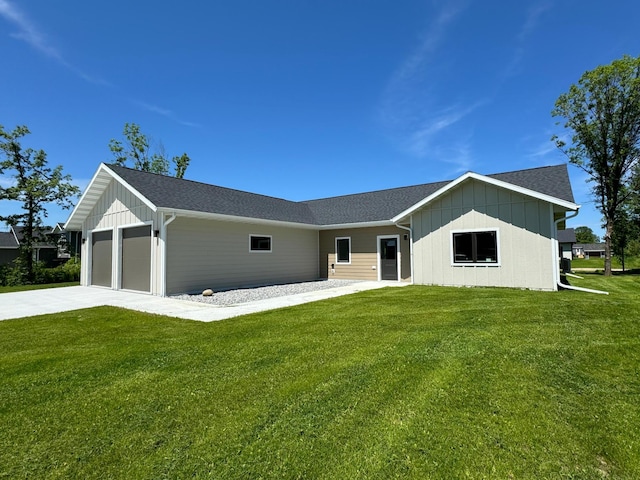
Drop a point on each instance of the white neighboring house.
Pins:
(163, 235)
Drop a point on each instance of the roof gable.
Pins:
(521, 182)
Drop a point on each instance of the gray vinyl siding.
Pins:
(118, 208)
(215, 254)
(364, 253)
(525, 242)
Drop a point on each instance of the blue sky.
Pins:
(307, 99)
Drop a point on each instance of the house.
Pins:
(588, 250)
(566, 240)
(9, 247)
(45, 248)
(68, 241)
(164, 235)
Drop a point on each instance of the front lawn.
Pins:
(22, 288)
(414, 382)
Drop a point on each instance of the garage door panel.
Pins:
(136, 258)
(101, 258)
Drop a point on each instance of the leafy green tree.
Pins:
(35, 185)
(586, 235)
(603, 113)
(136, 149)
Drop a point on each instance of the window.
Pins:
(475, 247)
(343, 249)
(260, 243)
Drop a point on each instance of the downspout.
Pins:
(563, 285)
(163, 270)
(410, 230)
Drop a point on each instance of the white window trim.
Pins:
(475, 264)
(338, 262)
(270, 237)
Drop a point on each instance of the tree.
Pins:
(137, 149)
(586, 235)
(35, 185)
(603, 113)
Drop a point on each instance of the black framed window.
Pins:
(475, 247)
(260, 243)
(343, 250)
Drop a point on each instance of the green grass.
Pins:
(414, 382)
(22, 288)
(629, 263)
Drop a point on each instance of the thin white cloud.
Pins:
(532, 20)
(154, 108)
(422, 141)
(411, 110)
(165, 112)
(29, 33)
(415, 62)
(547, 148)
(530, 24)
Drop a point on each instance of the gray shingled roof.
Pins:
(8, 240)
(40, 234)
(382, 205)
(590, 247)
(567, 236)
(170, 192)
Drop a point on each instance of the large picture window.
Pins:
(260, 243)
(475, 247)
(343, 250)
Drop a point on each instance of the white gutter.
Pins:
(564, 285)
(163, 269)
(410, 230)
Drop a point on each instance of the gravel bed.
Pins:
(244, 295)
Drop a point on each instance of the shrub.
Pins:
(14, 273)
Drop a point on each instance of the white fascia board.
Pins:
(262, 221)
(491, 181)
(81, 205)
(235, 218)
(337, 226)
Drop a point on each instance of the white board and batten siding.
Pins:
(216, 254)
(524, 227)
(119, 208)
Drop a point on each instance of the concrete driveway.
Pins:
(54, 300)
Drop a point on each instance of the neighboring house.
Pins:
(68, 242)
(165, 235)
(566, 240)
(45, 248)
(588, 250)
(9, 247)
(48, 249)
